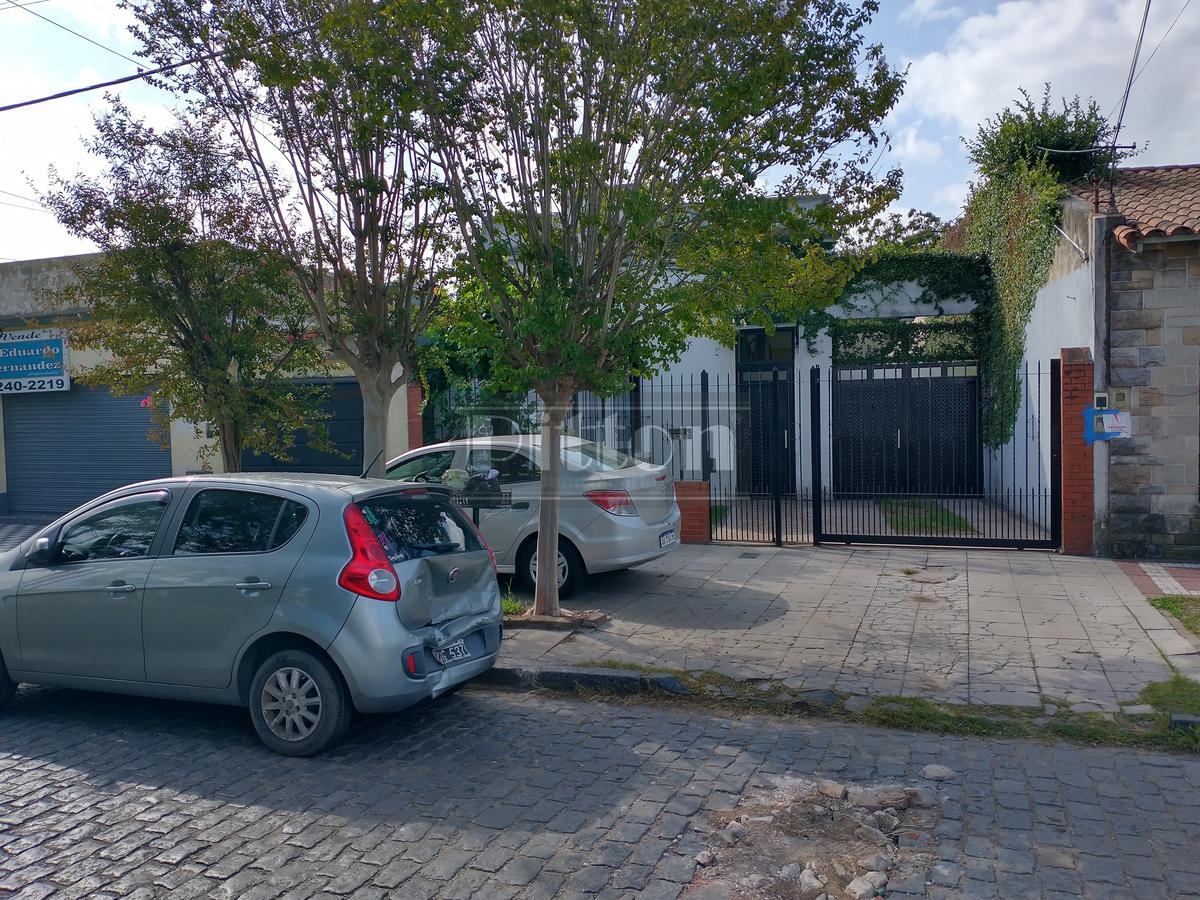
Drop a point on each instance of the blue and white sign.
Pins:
(33, 361)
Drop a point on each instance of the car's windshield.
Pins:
(588, 456)
(413, 524)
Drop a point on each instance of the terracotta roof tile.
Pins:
(1156, 201)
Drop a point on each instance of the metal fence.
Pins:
(883, 454)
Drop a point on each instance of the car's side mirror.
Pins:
(42, 552)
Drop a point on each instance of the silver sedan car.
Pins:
(302, 597)
(615, 511)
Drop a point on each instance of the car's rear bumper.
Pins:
(372, 646)
(619, 542)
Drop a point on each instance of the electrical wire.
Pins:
(26, 208)
(21, 197)
(1166, 34)
(1137, 49)
(145, 73)
(23, 5)
(84, 37)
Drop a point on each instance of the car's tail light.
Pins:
(369, 572)
(618, 503)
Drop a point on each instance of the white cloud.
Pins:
(911, 147)
(929, 11)
(948, 201)
(1080, 47)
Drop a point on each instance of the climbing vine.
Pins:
(861, 342)
(1011, 221)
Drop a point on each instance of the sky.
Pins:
(965, 61)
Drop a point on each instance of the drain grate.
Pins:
(748, 556)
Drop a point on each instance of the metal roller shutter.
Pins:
(345, 427)
(63, 448)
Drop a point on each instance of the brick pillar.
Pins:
(416, 425)
(1078, 510)
(695, 526)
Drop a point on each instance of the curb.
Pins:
(607, 681)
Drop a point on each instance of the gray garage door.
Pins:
(344, 425)
(63, 448)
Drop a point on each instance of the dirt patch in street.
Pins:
(809, 838)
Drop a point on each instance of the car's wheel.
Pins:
(298, 703)
(570, 566)
(8, 687)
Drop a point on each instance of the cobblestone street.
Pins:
(496, 795)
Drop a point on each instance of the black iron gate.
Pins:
(909, 463)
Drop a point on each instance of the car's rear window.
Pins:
(589, 456)
(413, 524)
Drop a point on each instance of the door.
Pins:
(82, 613)
(217, 581)
(52, 468)
(519, 474)
(766, 420)
(868, 424)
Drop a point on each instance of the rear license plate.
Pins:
(667, 538)
(452, 653)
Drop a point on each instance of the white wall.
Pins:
(1063, 316)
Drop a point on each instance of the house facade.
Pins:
(62, 443)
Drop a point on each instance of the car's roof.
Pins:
(502, 440)
(321, 482)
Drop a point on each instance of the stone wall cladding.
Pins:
(1154, 348)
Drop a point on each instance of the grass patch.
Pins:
(717, 514)
(909, 571)
(922, 517)
(724, 695)
(513, 605)
(627, 666)
(1179, 695)
(1185, 609)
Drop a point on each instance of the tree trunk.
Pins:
(377, 396)
(545, 591)
(229, 439)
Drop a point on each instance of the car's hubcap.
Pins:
(562, 569)
(291, 704)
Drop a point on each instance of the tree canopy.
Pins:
(185, 300)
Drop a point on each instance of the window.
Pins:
(123, 530)
(587, 456)
(411, 525)
(221, 521)
(514, 466)
(427, 467)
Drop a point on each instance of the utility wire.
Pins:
(1161, 40)
(21, 197)
(23, 5)
(1112, 153)
(145, 73)
(26, 208)
(84, 37)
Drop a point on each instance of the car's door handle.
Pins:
(120, 587)
(521, 504)
(253, 585)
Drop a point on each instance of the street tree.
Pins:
(323, 100)
(183, 302)
(608, 162)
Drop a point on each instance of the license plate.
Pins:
(452, 653)
(667, 538)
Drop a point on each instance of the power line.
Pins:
(84, 37)
(145, 73)
(23, 5)
(26, 208)
(1161, 40)
(1133, 72)
(21, 197)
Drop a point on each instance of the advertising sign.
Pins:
(33, 361)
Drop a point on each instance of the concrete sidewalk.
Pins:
(986, 626)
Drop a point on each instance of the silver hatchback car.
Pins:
(302, 597)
